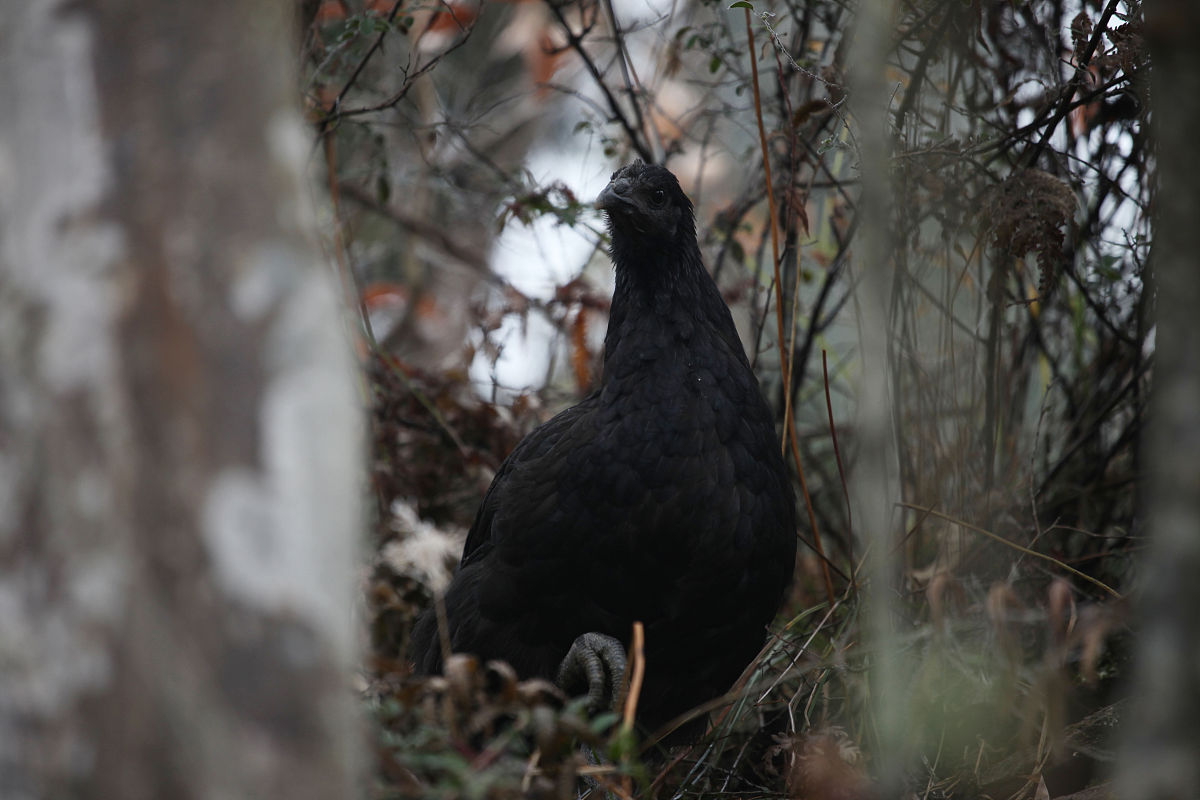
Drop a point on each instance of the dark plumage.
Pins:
(662, 497)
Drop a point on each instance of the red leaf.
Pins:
(457, 17)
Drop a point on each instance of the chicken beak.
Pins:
(613, 196)
(606, 199)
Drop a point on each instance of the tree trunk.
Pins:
(179, 434)
(873, 480)
(1163, 730)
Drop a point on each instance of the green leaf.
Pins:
(1108, 268)
(737, 251)
(714, 64)
(603, 722)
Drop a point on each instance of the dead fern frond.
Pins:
(1028, 213)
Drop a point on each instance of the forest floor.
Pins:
(1011, 675)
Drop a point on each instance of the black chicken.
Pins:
(662, 497)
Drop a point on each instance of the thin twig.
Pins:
(349, 280)
(633, 85)
(837, 454)
(789, 422)
(337, 103)
(1014, 546)
(637, 666)
(417, 226)
(637, 670)
(410, 77)
(575, 42)
(1075, 83)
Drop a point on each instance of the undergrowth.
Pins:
(1000, 679)
(1020, 353)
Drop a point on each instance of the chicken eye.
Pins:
(659, 198)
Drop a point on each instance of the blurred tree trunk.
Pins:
(873, 482)
(179, 441)
(1163, 731)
